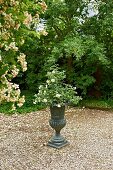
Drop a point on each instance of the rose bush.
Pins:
(55, 92)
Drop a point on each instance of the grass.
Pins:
(28, 106)
(103, 104)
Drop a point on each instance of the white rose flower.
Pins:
(48, 73)
(58, 95)
(39, 91)
(45, 100)
(34, 102)
(40, 86)
(52, 80)
(44, 92)
(53, 71)
(58, 105)
(48, 82)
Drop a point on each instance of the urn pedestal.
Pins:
(57, 122)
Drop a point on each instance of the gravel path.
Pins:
(23, 141)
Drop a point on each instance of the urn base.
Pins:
(57, 141)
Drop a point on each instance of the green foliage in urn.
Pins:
(55, 92)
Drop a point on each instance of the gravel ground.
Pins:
(23, 141)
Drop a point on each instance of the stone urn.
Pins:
(57, 122)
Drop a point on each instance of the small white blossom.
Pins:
(15, 86)
(12, 45)
(21, 101)
(58, 105)
(28, 19)
(52, 80)
(48, 73)
(58, 95)
(48, 82)
(34, 102)
(44, 92)
(45, 100)
(22, 61)
(13, 107)
(53, 71)
(39, 91)
(22, 41)
(40, 86)
(14, 71)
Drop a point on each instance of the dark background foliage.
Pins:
(83, 49)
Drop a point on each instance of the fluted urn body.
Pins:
(57, 122)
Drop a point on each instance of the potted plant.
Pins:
(56, 94)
